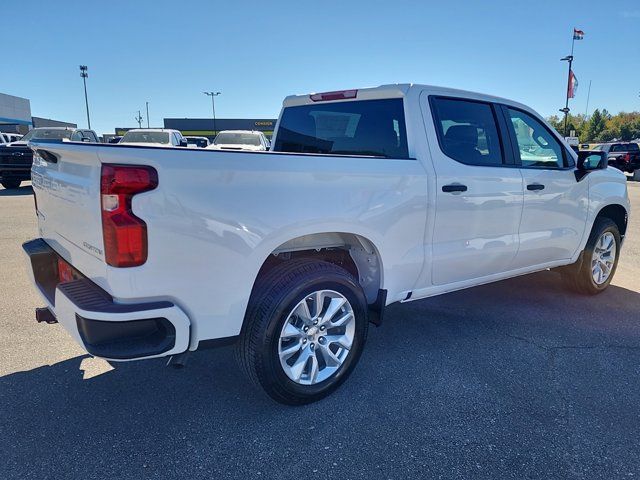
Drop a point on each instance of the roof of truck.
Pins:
(397, 90)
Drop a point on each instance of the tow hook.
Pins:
(43, 314)
(179, 360)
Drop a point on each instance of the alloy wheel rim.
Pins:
(603, 258)
(316, 338)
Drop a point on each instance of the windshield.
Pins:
(145, 137)
(237, 138)
(366, 127)
(46, 134)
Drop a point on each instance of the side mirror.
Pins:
(183, 143)
(589, 160)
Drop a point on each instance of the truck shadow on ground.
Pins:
(509, 376)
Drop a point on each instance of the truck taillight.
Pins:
(627, 158)
(125, 235)
(338, 95)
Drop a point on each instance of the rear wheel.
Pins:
(10, 183)
(594, 272)
(304, 331)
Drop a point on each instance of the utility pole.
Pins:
(147, 114)
(213, 95)
(139, 119)
(84, 75)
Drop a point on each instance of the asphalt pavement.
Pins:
(517, 379)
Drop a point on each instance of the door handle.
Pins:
(454, 187)
(535, 186)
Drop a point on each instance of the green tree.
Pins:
(597, 124)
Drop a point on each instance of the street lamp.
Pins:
(84, 75)
(213, 95)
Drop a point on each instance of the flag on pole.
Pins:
(573, 85)
(578, 34)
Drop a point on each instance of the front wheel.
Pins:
(304, 331)
(594, 273)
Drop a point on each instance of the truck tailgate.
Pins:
(66, 183)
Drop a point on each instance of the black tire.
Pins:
(273, 297)
(11, 183)
(578, 277)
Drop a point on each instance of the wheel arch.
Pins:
(354, 252)
(617, 213)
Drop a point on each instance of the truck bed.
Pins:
(216, 216)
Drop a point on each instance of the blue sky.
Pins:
(256, 53)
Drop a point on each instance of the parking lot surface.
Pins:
(517, 379)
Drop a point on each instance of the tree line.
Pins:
(601, 126)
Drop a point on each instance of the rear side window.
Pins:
(633, 147)
(467, 131)
(366, 127)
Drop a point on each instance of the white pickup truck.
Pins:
(367, 197)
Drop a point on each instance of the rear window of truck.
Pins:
(365, 127)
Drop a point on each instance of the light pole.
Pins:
(566, 109)
(213, 95)
(84, 75)
(147, 114)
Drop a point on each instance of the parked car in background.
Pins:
(9, 137)
(153, 137)
(240, 140)
(624, 156)
(368, 197)
(16, 158)
(200, 142)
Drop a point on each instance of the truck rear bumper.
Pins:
(104, 327)
(13, 171)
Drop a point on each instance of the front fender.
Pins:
(606, 187)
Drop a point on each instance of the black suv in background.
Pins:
(624, 156)
(16, 157)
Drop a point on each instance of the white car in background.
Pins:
(250, 140)
(154, 137)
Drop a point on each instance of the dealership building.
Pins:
(204, 127)
(15, 116)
